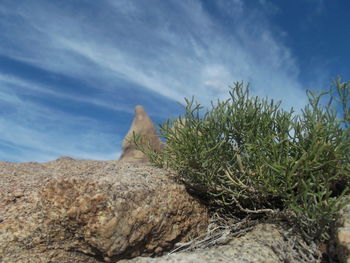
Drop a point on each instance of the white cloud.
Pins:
(37, 132)
(8, 81)
(173, 48)
(184, 47)
(56, 138)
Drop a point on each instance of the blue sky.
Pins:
(71, 72)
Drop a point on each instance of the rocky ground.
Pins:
(108, 211)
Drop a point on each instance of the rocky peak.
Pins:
(141, 125)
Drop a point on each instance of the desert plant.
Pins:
(250, 154)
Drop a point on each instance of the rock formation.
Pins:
(91, 211)
(109, 211)
(141, 125)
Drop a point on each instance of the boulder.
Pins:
(141, 125)
(92, 211)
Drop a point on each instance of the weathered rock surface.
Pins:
(266, 243)
(141, 125)
(342, 234)
(91, 211)
(88, 211)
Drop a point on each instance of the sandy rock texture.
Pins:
(92, 211)
(342, 234)
(266, 243)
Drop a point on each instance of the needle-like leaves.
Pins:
(250, 154)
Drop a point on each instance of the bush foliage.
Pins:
(250, 154)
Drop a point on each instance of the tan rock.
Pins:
(265, 243)
(92, 211)
(342, 234)
(141, 125)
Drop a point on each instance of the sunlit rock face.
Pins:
(72, 210)
(142, 125)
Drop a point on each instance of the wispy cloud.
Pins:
(31, 131)
(16, 84)
(168, 52)
(171, 48)
(35, 132)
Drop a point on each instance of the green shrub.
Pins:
(250, 154)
